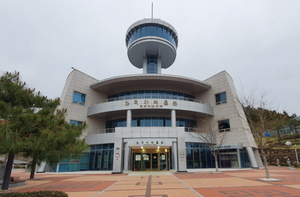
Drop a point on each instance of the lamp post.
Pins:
(295, 146)
(288, 143)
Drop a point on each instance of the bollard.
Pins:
(278, 163)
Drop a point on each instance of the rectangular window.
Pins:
(221, 98)
(134, 122)
(78, 98)
(224, 125)
(75, 122)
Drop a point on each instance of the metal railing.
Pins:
(100, 131)
(112, 130)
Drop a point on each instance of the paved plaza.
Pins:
(238, 183)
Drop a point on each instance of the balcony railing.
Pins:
(112, 130)
(149, 97)
(99, 131)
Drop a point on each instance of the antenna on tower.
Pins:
(152, 10)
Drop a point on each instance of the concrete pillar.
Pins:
(252, 157)
(181, 149)
(118, 151)
(173, 118)
(145, 65)
(174, 155)
(258, 158)
(127, 157)
(57, 167)
(239, 157)
(42, 167)
(158, 65)
(129, 118)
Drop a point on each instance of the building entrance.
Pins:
(150, 160)
(229, 160)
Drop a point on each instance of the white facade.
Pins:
(156, 131)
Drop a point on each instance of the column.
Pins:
(118, 151)
(258, 158)
(252, 157)
(145, 65)
(239, 158)
(128, 120)
(173, 118)
(126, 156)
(57, 167)
(174, 155)
(181, 150)
(42, 167)
(158, 65)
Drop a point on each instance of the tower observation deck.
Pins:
(151, 45)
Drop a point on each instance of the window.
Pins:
(75, 122)
(142, 94)
(152, 64)
(221, 98)
(224, 125)
(78, 98)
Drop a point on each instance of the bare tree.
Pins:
(212, 136)
(262, 119)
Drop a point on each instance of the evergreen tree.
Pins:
(53, 138)
(42, 134)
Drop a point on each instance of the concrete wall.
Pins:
(139, 104)
(232, 110)
(80, 82)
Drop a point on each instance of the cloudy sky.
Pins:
(257, 42)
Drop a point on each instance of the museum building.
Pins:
(151, 121)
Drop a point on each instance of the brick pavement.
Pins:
(237, 183)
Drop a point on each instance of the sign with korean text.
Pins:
(151, 103)
(149, 143)
(234, 146)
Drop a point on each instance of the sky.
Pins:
(257, 42)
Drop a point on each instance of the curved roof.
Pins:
(150, 81)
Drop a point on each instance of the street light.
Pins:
(295, 146)
(288, 143)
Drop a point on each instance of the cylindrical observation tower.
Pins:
(151, 45)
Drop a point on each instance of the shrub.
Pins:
(36, 194)
(297, 165)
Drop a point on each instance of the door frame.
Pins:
(159, 152)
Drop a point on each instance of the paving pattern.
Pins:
(239, 183)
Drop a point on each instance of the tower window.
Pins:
(152, 64)
(221, 98)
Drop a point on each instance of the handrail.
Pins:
(148, 97)
(100, 131)
(112, 130)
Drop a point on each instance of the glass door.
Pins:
(137, 162)
(150, 161)
(146, 163)
(163, 161)
(155, 161)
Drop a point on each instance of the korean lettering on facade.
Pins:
(223, 147)
(149, 142)
(150, 103)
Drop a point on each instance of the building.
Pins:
(148, 121)
(292, 129)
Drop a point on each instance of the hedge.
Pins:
(36, 194)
